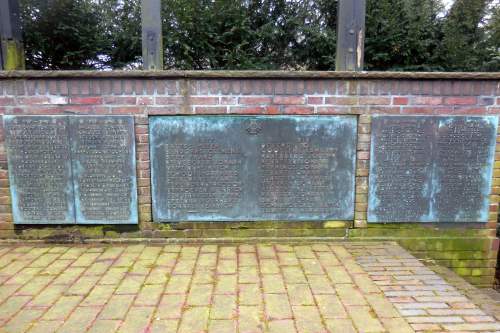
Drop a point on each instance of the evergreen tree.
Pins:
(61, 34)
(463, 46)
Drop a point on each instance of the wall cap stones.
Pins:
(171, 74)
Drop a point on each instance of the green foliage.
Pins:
(262, 34)
(464, 42)
(61, 34)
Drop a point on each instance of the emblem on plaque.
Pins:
(253, 127)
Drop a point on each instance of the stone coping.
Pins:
(172, 74)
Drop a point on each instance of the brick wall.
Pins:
(265, 93)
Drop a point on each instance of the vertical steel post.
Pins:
(350, 35)
(152, 43)
(11, 45)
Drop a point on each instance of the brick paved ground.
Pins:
(335, 287)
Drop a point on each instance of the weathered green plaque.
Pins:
(72, 169)
(239, 168)
(431, 168)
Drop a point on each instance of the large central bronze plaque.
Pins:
(431, 168)
(237, 168)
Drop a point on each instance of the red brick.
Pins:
(363, 100)
(196, 100)
(470, 110)
(427, 100)
(101, 110)
(127, 110)
(400, 100)
(44, 110)
(86, 100)
(119, 100)
(247, 110)
(494, 110)
(7, 101)
(144, 174)
(229, 100)
(145, 100)
(162, 110)
(272, 109)
(460, 100)
(341, 100)
(144, 191)
(210, 110)
(142, 165)
(299, 110)
(385, 110)
(144, 199)
(314, 100)
(363, 155)
(417, 110)
(142, 138)
(169, 100)
(255, 100)
(333, 110)
(143, 156)
(289, 100)
(32, 100)
(141, 129)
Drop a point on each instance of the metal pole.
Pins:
(350, 35)
(11, 45)
(152, 43)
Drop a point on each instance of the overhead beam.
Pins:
(152, 41)
(11, 45)
(350, 35)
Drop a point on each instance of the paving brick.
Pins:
(45, 326)
(137, 319)
(223, 307)
(340, 326)
(131, 284)
(178, 284)
(164, 326)
(307, 319)
(171, 306)
(248, 274)
(226, 284)
(269, 266)
(348, 287)
(23, 320)
(300, 294)
(194, 319)
(320, 285)
(330, 306)
(273, 283)
(364, 319)
(250, 319)
(280, 326)
(117, 307)
(293, 274)
(100, 326)
(62, 308)
(249, 294)
(200, 294)
(79, 320)
(277, 306)
(149, 295)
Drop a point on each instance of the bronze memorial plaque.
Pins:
(72, 169)
(431, 168)
(103, 151)
(39, 160)
(251, 168)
